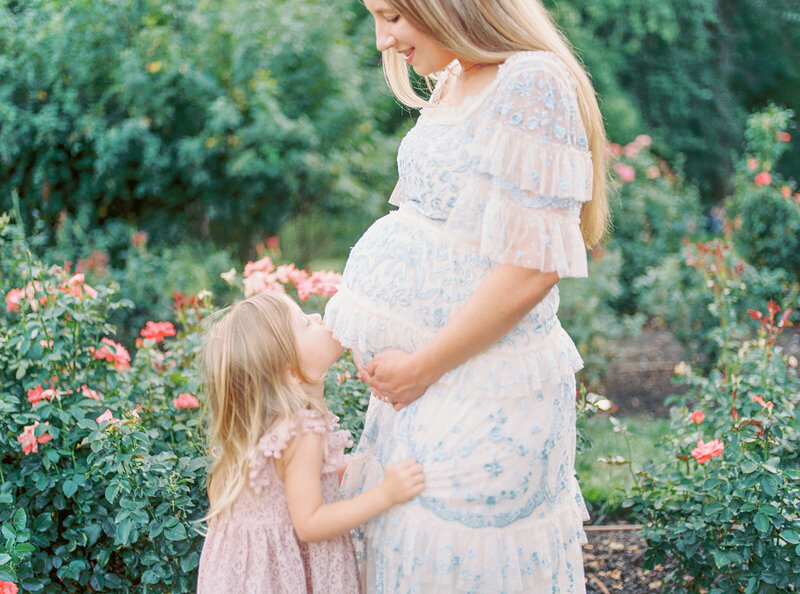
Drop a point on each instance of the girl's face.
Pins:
(392, 30)
(316, 348)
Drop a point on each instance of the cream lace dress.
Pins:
(500, 179)
(253, 548)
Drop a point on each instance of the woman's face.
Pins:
(394, 31)
(316, 348)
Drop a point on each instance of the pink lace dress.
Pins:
(253, 548)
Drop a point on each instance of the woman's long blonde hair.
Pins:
(247, 357)
(488, 32)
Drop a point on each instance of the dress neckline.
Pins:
(471, 102)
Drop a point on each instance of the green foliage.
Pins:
(215, 119)
(651, 215)
(588, 316)
(107, 504)
(689, 72)
(766, 212)
(729, 519)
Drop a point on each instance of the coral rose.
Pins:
(13, 298)
(763, 178)
(185, 400)
(158, 330)
(697, 417)
(705, 451)
(118, 355)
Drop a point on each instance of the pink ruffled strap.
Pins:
(269, 448)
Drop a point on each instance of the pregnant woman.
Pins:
(449, 303)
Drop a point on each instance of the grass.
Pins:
(605, 485)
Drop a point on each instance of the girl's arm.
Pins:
(314, 520)
(498, 304)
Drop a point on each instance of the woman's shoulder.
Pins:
(530, 64)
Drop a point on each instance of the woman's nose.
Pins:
(383, 39)
(317, 318)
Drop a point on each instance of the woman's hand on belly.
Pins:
(393, 376)
(501, 300)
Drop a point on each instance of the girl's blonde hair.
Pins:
(248, 359)
(488, 32)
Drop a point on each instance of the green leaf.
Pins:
(790, 536)
(761, 522)
(111, 492)
(69, 487)
(20, 519)
(4, 558)
(748, 466)
(770, 485)
(721, 559)
(177, 532)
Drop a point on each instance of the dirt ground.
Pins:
(612, 562)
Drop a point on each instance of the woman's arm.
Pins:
(497, 305)
(314, 520)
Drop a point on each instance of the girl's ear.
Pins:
(292, 375)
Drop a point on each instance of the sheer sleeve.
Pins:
(533, 169)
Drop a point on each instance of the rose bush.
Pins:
(103, 465)
(725, 511)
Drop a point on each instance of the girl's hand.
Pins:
(403, 481)
(394, 377)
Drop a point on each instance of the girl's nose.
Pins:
(316, 318)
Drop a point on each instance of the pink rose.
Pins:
(263, 265)
(626, 173)
(107, 416)
(8, 587)
(37, 394)
(13, 298)
(697, 417)
(783, 136)
(786, 192)
(158, 330)
(763, 178)
(185, 400)
(752, 163)
(615, 149)
(705, 451)
(89, 393)
(29, 441)
(326, 282)
(118, 354)
(259, 282)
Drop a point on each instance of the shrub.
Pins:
(211, 119)
(724, 509)
(766, 209)
(101, 475)
(103, 465)
(652, 214)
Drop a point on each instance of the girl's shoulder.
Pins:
(277, 439)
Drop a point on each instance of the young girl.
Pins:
(274, 523)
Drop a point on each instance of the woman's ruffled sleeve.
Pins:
(534, 170)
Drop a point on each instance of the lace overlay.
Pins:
(253, 548)
(499, 179)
